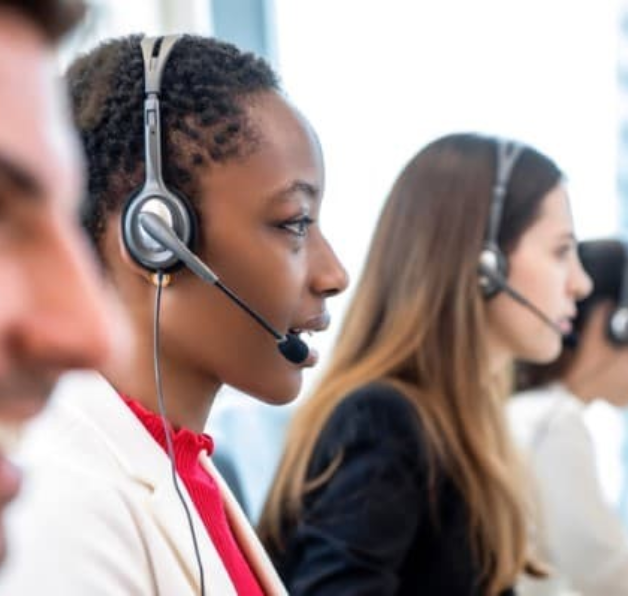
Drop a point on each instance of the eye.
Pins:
(563, 251)
(297, 227)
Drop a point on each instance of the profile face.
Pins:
(52, 313)
(260, 233)
(544, 267)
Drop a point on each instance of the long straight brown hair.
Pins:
(417, 321)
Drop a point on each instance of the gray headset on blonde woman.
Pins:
(493, 263)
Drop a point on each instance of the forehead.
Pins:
(285, 135)
(35, 135)
(554, 220)
(555, 211)
(286, 155)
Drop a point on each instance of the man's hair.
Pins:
(54, 18)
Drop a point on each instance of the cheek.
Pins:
(540, 283)
(271, 282)
(521, 332)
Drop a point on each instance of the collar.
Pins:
(183, 439)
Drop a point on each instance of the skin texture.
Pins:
(544, 267)
(54, 314)
(260, 233)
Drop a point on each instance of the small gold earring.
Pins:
(166, 279)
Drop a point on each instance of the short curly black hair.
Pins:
(204, 90)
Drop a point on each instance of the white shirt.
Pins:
(576, 532)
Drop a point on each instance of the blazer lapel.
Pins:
(245, 536)
(145, 462)
(170, 516)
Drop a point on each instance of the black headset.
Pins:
(493, 263)
(154, 196)
(618, 318)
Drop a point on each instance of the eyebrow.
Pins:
(568, 236)
(19, 178)
(311, 191)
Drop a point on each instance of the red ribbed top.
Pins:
(204, 493)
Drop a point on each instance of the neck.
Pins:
(499, 358)
(188, 396)
(584, 384)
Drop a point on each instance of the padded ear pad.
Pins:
(175, 210)
(493, 271)
(618, 326)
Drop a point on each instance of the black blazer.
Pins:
(372, 530)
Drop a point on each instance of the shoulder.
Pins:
(375, 408)
(94, 530)
(78, 471)
(541, 415)
(378, 398)
(71, 498)
(377, 417)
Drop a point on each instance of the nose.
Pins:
(581, 283)
(330, 277)
(66, 323)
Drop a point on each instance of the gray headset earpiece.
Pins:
(618, 319)
(493, 271)
(142, 248)
(618, 326)
(154, 196)
(493, 264)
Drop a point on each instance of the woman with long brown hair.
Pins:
(398, 475)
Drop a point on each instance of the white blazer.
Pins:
(99, 514)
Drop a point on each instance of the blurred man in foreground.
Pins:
(53, 312)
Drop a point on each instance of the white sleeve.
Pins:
(585, 536)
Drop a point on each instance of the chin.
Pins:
(544, 354)
(276, 391)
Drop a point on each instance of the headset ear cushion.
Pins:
(618, 326)
(493, 271)
(175, 210)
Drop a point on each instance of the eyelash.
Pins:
(298, 227)
(564, 251)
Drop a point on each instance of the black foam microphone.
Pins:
(291, 346)
(503, 285)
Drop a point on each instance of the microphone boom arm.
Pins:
(159, 231)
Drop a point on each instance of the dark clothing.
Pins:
(372, 529)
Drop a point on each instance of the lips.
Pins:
(565, 325)
(315, 324)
